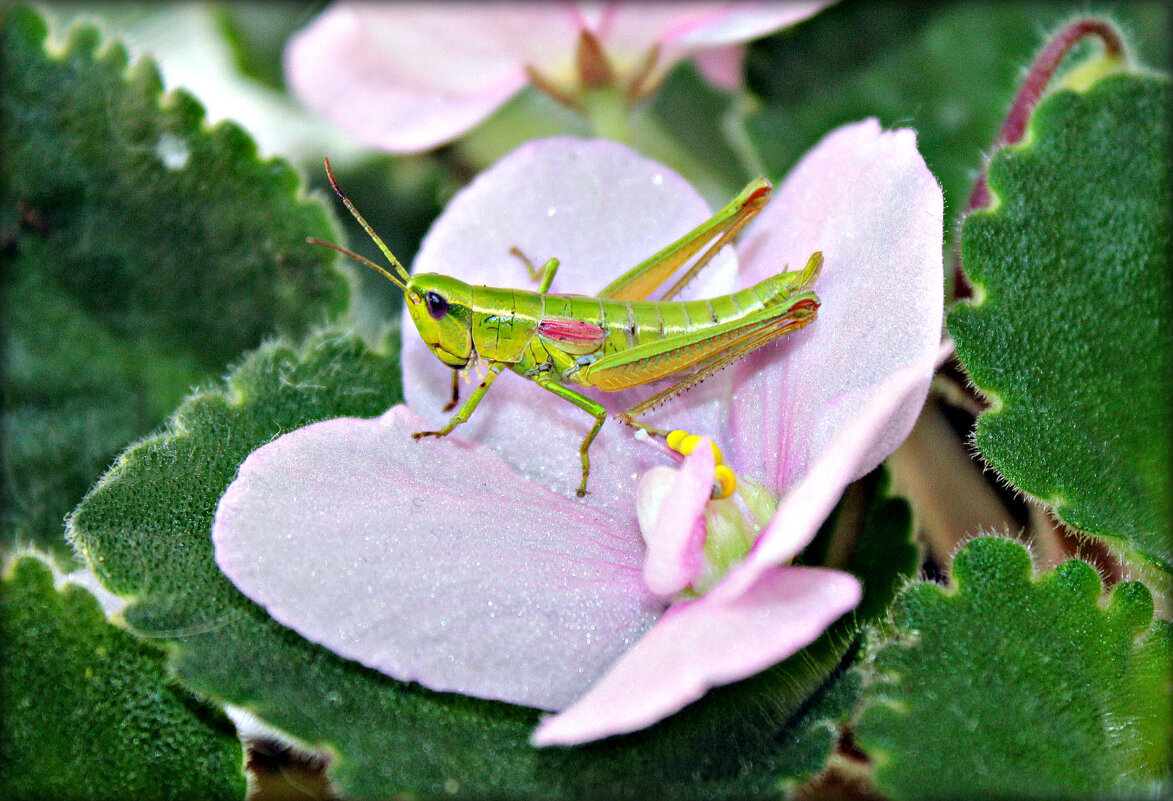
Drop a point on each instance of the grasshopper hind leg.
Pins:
(629, 420)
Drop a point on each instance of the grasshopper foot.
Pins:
(421, 434)
(581, 492)
(628, 420)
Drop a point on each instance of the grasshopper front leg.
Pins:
(451, 404)
(466, 410)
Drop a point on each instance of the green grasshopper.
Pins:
(614, 341)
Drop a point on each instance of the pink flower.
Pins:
(467, 564)
(406, 77)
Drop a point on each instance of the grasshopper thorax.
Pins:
(440, 307)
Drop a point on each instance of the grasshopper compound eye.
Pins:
(437, 304)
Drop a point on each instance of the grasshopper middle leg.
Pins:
(587, 405)
(544, 274)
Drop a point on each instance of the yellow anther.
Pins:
(724, 482)
(692, 440)
(685, 443)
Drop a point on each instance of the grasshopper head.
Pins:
(440, 307)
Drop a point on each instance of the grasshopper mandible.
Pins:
(614, 341)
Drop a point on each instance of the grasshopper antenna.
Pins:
(313, 240)
(403, 278)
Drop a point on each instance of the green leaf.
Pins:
(89, 711)
(947, 69)
(1018, 685)
(145, 529)
(143, 252)
(1068, 334)
(688, 124)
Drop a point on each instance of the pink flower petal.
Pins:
(722, 66)
(406, 77)
(676, 538)
(414, 561)
(736, 21)
(682, 29)
(806, 505)
(866, 200)
(701, 644)
(601, 209)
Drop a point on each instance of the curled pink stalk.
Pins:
(1032, 90)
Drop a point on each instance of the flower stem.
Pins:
(607, 111)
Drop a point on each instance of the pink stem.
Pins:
(1040, 75)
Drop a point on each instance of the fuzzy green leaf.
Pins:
(144, 251)
(1069, 331)
(1020, 686)
(89, 711)
(145, 529)
(696, 114)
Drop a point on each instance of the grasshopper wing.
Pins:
(572, 336)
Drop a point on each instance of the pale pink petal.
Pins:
(601, 209)
(865, 198)
(682, 29)
(417, 562)
(406, 77)
(722, 66)
(676, 534)
(807, 503)
(701, 644)
(736, 21)
(945, 350)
